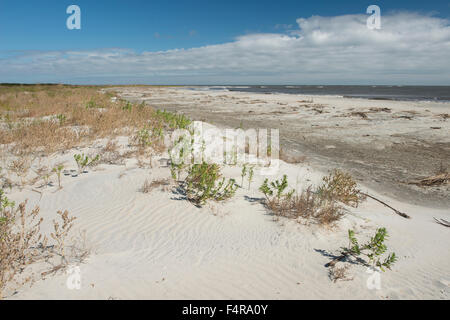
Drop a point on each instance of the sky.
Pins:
(225, 42)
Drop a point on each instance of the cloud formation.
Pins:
(408, 49)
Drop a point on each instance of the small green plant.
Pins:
(127, 107)
(204, 183)
(179, 156)
(373, 249)
(243, 174)
(5, 203)
(58, 170)
(91, 104)
(265, 189)
(176, 167)
(143, 137)
(147, 137)
(61, 118)
(277, 187)
(84, 161)
(250, 177)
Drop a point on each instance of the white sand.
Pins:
(152, 246)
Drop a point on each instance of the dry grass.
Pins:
(110, 154)
(308, 206)
(47, 119)
(22, 243)
(340, 186)
(339, 273)
(148, 186)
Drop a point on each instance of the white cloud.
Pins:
(408, 49)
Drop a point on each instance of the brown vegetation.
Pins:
(22, 243)
(340, 186)
(47, 119)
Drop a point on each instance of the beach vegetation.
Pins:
(373, 252)
(22, 243)
(340, 186)
(173, 120)
(58, 170)
(306, 206)
(243, 174)
(149, 186)
(204, 182)
(251, 172)
(84, 161)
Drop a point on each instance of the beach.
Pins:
(384, 144)
(158, 245)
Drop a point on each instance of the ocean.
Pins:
(382, 92)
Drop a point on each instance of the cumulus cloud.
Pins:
(409, 49)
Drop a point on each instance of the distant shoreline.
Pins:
(372, 92)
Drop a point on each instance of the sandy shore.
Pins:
(159, 246)
(384, 144)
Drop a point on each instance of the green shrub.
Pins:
(173, 121)
(204, 183)
(149, 136)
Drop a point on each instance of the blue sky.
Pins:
(29, 28)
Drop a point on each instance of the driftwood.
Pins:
(404, 215)
(443, 222)
(436, 180)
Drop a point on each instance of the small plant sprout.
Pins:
(91, 104)
(61, 118)
(243, 174)
(83, 161)
(280, 186)
(250, 176)
(58, 170)
(127, 107)
(5, 203)
(46, 178)
(265, 189)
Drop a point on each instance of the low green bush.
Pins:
(204, 182)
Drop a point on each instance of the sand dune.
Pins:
(155, 246)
